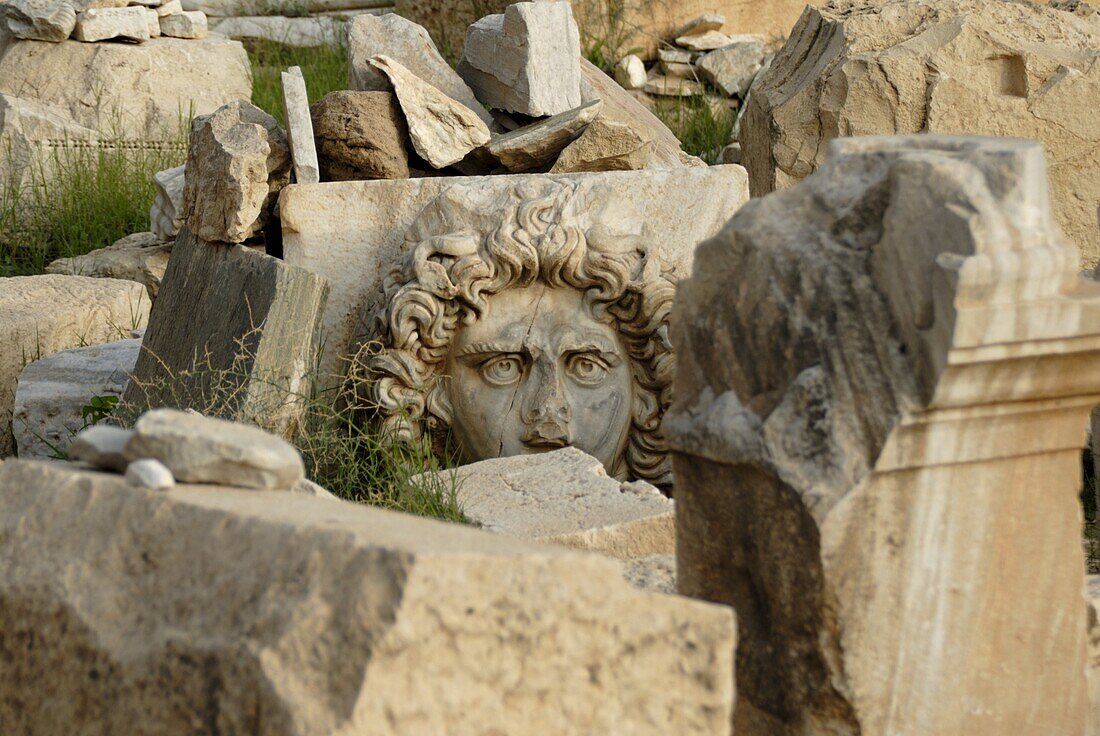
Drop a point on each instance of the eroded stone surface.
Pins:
(166, 213)
(38, 20)
(537, 146)
(706, 41)
(656, 573)
(630, 72)
(100, 24)
(141, 257)
(936, 66)
(606, 145)
(733, 67)
(52, 392)
(877, 369)
(1092, 599)
(361, 135)
(42, 315)
(566, 497)
(332, 617)
(190, 24)
(526, 60)
(299, 127)
(237, 161)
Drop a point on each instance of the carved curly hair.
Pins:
(444, 282)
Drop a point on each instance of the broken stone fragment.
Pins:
(102, 446)
(188, 24)
(53, 392)
(169, 8)
(141, 257)
(410, 45)
(664, 86)
(237, 161)
(656, 573)
(566, 497)
(153, 20)
(705, 23)
(101, 24)
(630, 72)
(149, 474)
(606, 145)
(442, 130)
(526, 60)
(198, 449)
(676, 69)
(704, 41)
(732, 68)
(674, 56)
(299, 127)
(166, 213)
(538, 145)
(38, 20)
(360, 135)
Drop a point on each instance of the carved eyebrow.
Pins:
(591, 343)
(483, 348)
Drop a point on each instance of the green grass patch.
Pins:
(702, 129)
(325, 69)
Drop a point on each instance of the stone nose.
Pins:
(546, 414)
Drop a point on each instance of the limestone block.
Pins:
(246, 349)
(566, 497)
(409, 44)
(299, 127)
(707, 41)
(125, 91)
(442, 130)
(168, 8)
(674, 69)
(103, 446)
(979, 67)
(883, 375)
(630, 72)
(166, 214)
(38, 20)
(697, 26)
(732, 68)
(242, 8)
(526, 60)
(141, 257)
(352, 233)
(101, 24)
(337, 617)
(361, 135)
(665, 86)
(1092, 598)
(619, 106)
(43, 315)
(149, 474)
(605, 145)
(237, 162)
(537, 146)
(153, 21)
(188, 24)
(320, 30)
(198, 449)
(53, 391)
(29, 132)
(675, 56)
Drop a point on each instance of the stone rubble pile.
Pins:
(136, 21)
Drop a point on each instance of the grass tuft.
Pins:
(702, 129)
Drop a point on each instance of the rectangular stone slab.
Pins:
(353, 233)
(285, 614)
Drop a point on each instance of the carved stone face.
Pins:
(538, 372)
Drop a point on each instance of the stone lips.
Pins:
(883, 373)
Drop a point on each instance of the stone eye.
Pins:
(586, 368)
(502, 370)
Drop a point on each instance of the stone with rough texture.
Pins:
(126, 92)
(1092, 597)
(630, 72)
(354, 233)
(702, 24)
(656, 573)
(619, 106)
(246, 349)
(708, 41)
(526, 60)
(319, 8)
(101, 24)
(149, 474)
(935, 66)
(38, 20)
(141, 257)
(166, 213)
(43, 315)
(198, 449)
(299, 127)
(537, 146)
(102, 446)
(168, 8)
(53, 391)
(732, 68)
(883, 377)
(566, 497)
(320, 30)
(605, 145)
(28, 133)
(300, 615)
(237, 162)
(664, 86)
(409, 44)
(361, 135)
(190, 24)
(443, 131)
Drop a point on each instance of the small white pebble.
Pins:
(151, 474)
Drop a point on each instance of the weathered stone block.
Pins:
(537, 146)
(190, 24)
(299, 127)
(980, 67)
(43, 315)
(361, 135)
(166, 213)
(299, 615)
(38, 20)
(140, 257)
(101, 24)
(883, 377)
(234, 334)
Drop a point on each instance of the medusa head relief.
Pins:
(534, 330)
